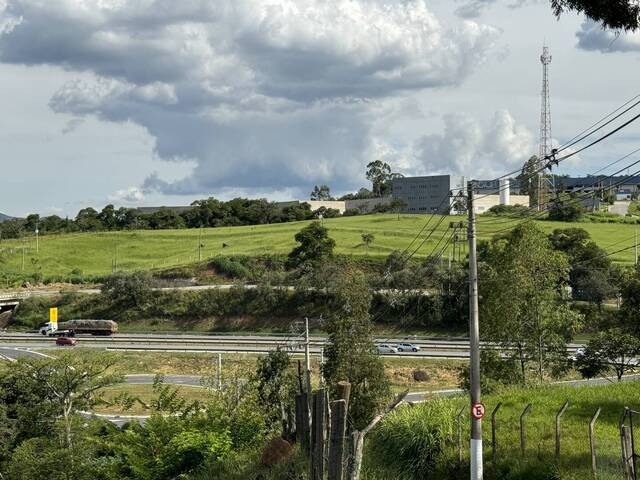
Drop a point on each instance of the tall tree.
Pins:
(322, 193)
(351, 354)
(522, 288)
(315, 245)
(378, 173)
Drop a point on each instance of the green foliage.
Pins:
(610, 351)
(351, 354)
(322, 193)
(622, 15)
(522, 270)
(275, 384)
(630, 310)
(496, 372)
(128, 289)
(518, 211)
(415, 441)
(566, 208)
(315, 245)
(231, 267)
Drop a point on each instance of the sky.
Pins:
(162, 102)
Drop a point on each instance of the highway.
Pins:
(221, 343)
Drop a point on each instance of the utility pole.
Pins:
(37, 240)
(200, 244)
(477, 409)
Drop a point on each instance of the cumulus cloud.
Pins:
(593, 37)
(131, 195)
(256, 92)
(468, 147)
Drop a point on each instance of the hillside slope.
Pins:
(94, 253)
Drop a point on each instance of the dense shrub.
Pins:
(415, 441)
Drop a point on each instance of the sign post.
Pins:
(53, 317)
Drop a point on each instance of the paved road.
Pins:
(429, 348)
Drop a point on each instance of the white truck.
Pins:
(71, 327)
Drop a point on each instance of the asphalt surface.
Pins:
(456, 348)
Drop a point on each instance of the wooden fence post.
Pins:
(318, 434)
(627, 453)
(558, 416)
(523, 434)
(459, 425)
(494, 442)
(336, 444)
(302, 420)
(344, 391)
(592, 441)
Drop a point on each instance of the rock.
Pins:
(420, 376)
(276, 451)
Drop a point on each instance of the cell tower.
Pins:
(545, 122)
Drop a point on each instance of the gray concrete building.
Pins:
(430, 194)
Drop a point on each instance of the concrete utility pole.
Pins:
(477, 409)
(37, 240)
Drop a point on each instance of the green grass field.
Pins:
(94, 253)
(398, 444)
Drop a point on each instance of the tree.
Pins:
(528, 179)
(322, 193)
(315, 245)
(108, 217)
(275, 384)
(88, 221)
(367, 239)
(522, 299)
(65, 385)
(566, 208)
(592, 276)
(618, 15)
(378, 173)
(630, 309)
(613, 350)
(351, 354)
(128, 289)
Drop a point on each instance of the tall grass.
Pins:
(421, 441)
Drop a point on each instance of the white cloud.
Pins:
(257, 93)
(593, 36)
(131, 195)
(468, 147)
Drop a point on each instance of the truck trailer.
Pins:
(72, 327)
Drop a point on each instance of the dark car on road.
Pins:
(66, 341)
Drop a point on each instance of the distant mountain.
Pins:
(4, 217)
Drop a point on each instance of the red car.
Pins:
(66, 341)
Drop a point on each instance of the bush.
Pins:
(415, 440)
(128, 289)
(231, 267)
(495, 372)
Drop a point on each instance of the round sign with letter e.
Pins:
(477, 411)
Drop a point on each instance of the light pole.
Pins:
(477, 409)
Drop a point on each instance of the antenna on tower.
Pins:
(545, 122)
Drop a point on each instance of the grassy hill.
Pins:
(93, 253)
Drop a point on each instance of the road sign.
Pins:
(477, 411)
(53, 315)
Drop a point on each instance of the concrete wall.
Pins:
(484, 203)
(366, 205)
(335, 204)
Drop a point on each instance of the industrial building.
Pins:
(436, 194)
